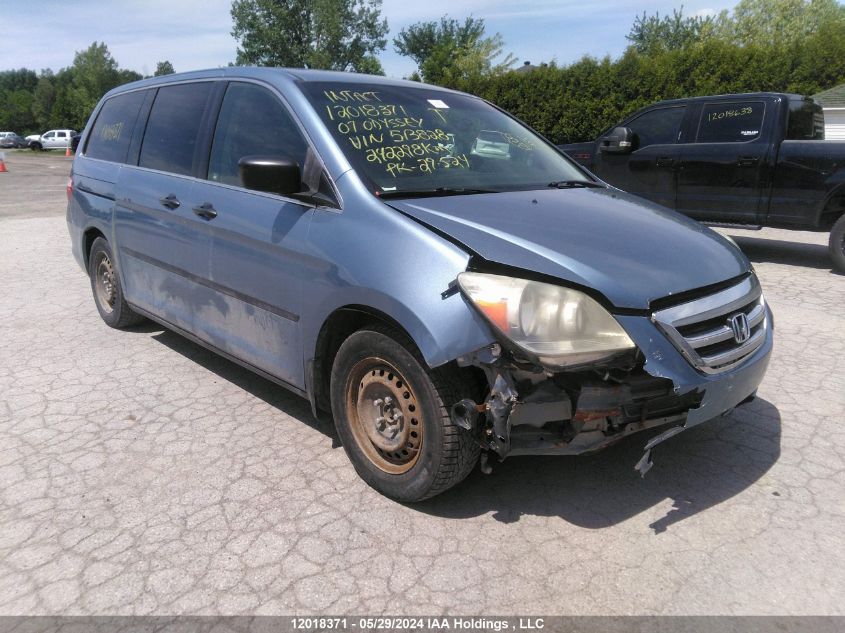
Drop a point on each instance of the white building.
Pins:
(833, 103)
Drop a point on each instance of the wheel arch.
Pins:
(88, 236)
(336, 328)
(433, 345)
(833, 207)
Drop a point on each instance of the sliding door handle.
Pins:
(170, 202)
(206, 211)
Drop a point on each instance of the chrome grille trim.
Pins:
(711, 347)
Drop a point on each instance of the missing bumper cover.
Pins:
(531, 411)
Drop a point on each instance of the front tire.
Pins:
(837, 245)
(105, 284)
(392, 415)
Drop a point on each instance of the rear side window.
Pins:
(658, 127)
(252, 121)
(734, 122)
(806, 122)
(170, 140)
(112, 131)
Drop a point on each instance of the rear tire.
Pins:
(105, 284)
(392, 415)
(837, 245)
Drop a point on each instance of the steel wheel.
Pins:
(392, 415)
(384, 416)
(104, 285)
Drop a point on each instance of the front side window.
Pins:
(733, 122)
(658, 127)
(252, 121)
(49, 135)
(432, 142)
(109, 138)
(170, 140)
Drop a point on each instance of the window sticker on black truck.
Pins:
(730, 122)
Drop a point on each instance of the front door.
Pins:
(257, 262)
(649, 170)
(723, 172)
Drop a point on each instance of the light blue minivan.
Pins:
(414, 260)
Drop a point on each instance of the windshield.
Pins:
(424, 141)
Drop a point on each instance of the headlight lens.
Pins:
(559, 326)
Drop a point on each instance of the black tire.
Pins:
(439, 454)
(35, 146)
(105, 285)
(837, 245)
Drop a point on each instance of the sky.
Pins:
(196, 34)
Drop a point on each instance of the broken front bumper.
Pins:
(532, 411)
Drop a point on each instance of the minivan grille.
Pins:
(717, 332)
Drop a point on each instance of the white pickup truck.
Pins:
(54, 139)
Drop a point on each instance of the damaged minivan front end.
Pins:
(570, 376)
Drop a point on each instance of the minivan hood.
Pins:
(628, 249)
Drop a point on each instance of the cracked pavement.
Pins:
(142, 474)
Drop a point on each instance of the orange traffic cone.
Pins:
(3, 163)
(67, 151)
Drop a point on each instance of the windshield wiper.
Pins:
(439, 191)
(574, 184)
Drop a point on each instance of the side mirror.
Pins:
(273, 174)
(619, 141)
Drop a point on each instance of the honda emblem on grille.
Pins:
(739, 326)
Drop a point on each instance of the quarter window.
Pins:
(252, 121)
(734, 122)
(170, 141)
(658, 127)
(112, 131)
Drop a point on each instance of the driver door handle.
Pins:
(748, 161)
(665, 161)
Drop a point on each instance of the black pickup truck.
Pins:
(747, 160)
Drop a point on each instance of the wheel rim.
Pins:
(384, 416)
(104, 283)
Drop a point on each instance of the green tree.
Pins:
(16, 88)
(93, 73)
(16, 113)
(20, 79)
(452, 53)
(652, 33)
(782, 21)
(42, 100)
(327, 34)
(94, 70)
(64, 112)
(163, 68)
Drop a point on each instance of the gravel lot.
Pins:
(142, 474)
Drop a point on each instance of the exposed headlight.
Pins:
(558, 326)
